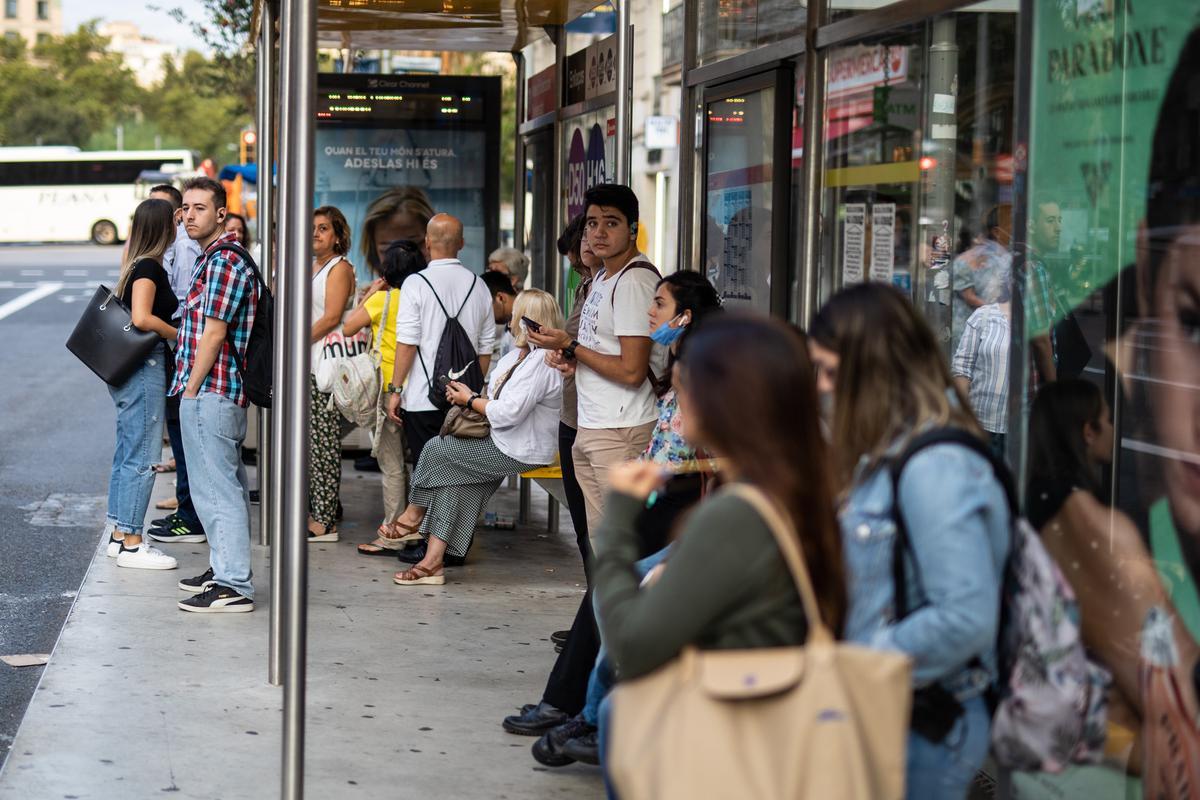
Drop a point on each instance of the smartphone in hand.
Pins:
(536, 327)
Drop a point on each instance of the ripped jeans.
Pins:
(141, 408)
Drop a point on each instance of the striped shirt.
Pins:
(224, 288)
(982, 358)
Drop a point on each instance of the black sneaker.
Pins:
(167, 521)
(584, 749)
(217, 599)
(535, 720)
(548, 749)
(178, 531)
(199, 583)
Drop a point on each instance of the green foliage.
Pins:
(71, 90)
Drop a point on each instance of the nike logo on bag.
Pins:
(456, 375)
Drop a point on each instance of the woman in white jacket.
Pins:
(455, 477)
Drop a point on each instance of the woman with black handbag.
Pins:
(145, 289)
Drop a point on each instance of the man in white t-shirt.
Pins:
(614, 361)
(419, 325)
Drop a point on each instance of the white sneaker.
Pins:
(113, 547)
(145, 557)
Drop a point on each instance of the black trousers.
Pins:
(566, 440)
(420, 427)
(566, 688)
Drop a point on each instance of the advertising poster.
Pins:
(355, 166)
(1114, 200)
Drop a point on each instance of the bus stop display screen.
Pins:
(434, 138)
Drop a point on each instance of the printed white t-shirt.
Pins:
(605, 404)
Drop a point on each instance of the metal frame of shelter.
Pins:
(292, 30)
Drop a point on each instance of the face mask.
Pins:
(666, 335)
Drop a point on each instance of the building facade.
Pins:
(33, 21)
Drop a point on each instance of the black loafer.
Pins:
(548, 749)
(536, 720)
(416, 554)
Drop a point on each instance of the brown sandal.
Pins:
(388, 530)
(420, 576)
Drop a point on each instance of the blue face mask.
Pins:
(666, 335)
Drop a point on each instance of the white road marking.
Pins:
(29, 298)
(75, 273)
(32, 273)
(35, 284)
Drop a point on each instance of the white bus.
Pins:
(63, 194)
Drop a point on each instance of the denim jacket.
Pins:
(959, 530)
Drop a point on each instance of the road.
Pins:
(56, 439)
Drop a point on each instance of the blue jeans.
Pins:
(944, 771)
(141, 405)
(214, 428)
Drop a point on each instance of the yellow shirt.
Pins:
(387, 345)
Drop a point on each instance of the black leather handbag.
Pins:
(106, 341)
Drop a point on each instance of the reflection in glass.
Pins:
(737, 238)
(729, 27)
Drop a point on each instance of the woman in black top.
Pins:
(145, 290)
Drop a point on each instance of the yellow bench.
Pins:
(550, 478)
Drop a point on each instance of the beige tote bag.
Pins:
(826, 721)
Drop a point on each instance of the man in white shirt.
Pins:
(614, 360)
(419, 325)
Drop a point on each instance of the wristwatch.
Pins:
(474, 397)
(569, 351)
(393, 389)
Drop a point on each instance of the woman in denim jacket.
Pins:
(889, 383)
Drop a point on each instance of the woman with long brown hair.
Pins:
(757, 413)
(890, 386)
(145, 289)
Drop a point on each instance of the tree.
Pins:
(224, 27)
(191, 107)
(75, 88)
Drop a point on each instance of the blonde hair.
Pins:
(150, 234)
(892, 379)
(406, 199)
(540, 307)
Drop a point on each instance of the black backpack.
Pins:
(257, 367)
(456, 359)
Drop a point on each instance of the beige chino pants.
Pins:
(597, 451)
(389, 450)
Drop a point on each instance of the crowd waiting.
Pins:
(663, 409)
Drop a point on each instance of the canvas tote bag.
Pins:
(824, 721)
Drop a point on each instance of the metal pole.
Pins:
(687, 138)
(519, 161)
(624, 91)
(269, 482)
(937, 196)
(557, 285)
(814, 160)
(298, 93)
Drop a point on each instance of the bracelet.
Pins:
(569, 351)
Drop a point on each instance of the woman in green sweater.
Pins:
(757, 413)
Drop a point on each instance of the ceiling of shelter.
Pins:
(474, 25)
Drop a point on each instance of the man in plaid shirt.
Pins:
(219, 312)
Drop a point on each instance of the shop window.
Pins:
(918, 156)
(729, 27)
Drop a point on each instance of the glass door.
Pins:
(747, 164)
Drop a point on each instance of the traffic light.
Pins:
(246, 147)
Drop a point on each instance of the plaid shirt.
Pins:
(223, 287)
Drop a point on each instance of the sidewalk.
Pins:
(406, 685)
